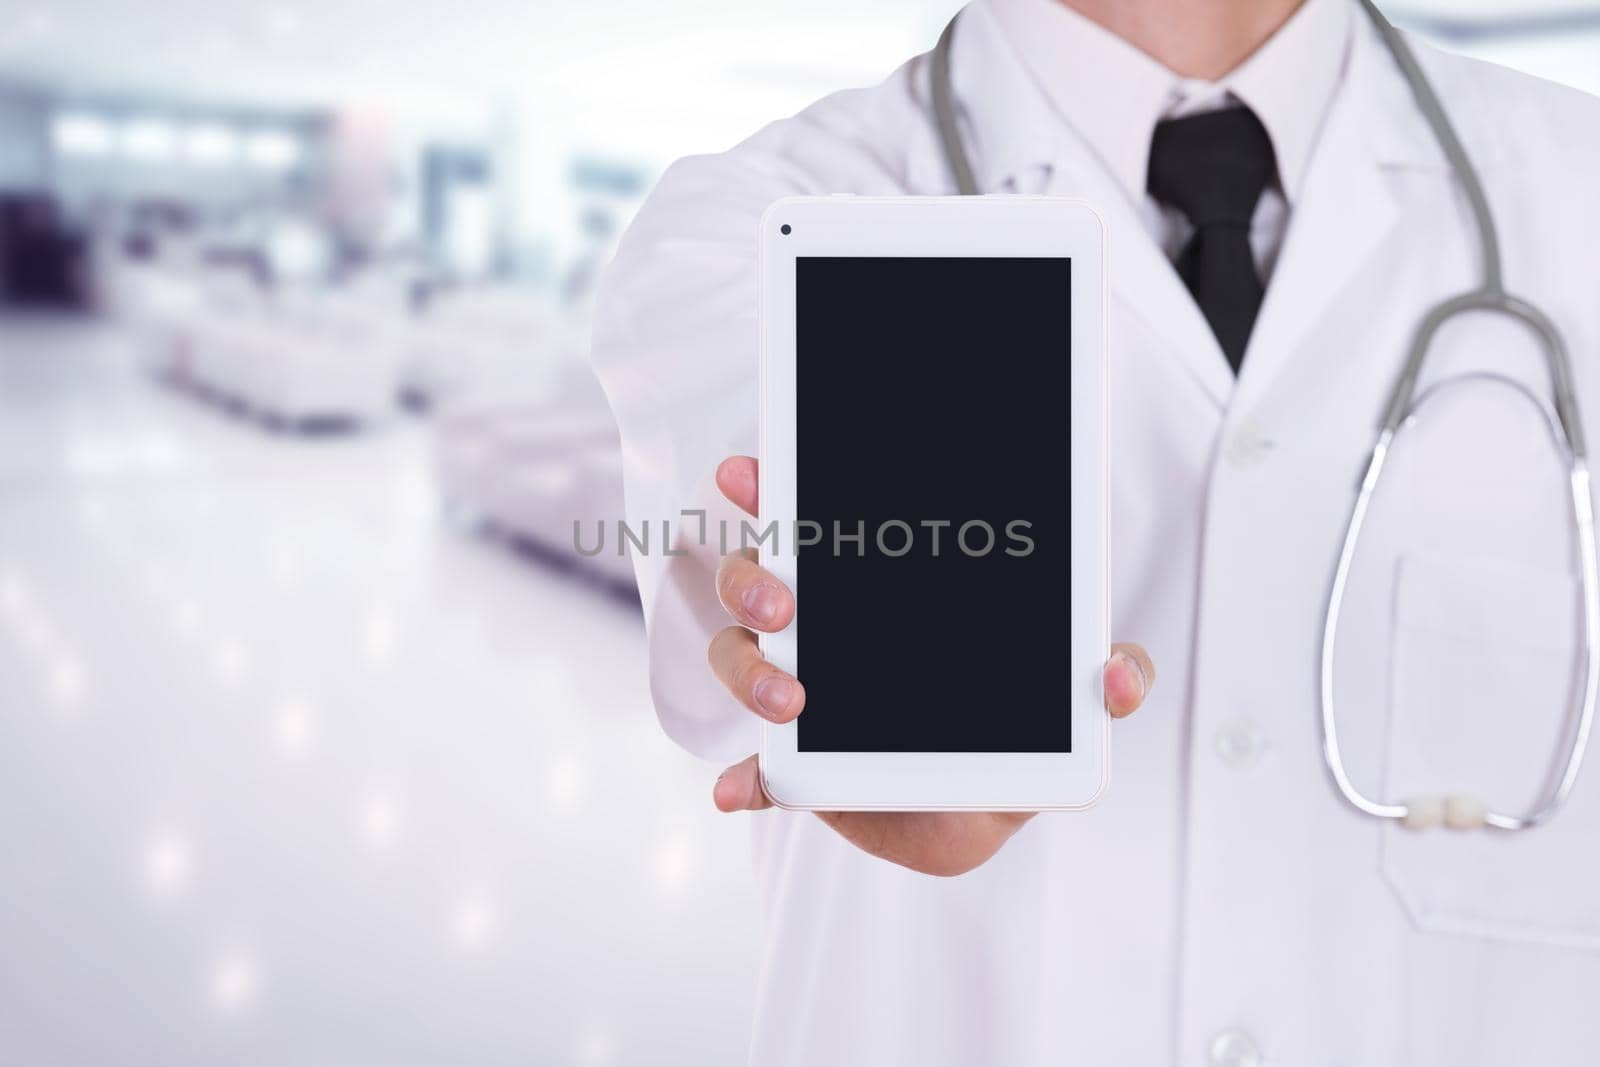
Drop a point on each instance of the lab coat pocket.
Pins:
(1486, 668)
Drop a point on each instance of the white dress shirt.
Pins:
(1114, 95)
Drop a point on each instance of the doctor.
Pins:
(1242, 911)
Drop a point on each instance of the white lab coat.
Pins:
(1221, 902)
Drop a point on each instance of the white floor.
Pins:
(294, 772)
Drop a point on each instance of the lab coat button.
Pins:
(1239, 742)
(1233, 1048)
(1249, 444)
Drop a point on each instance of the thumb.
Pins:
(739, 788)
(1128, 677)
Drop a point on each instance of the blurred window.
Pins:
(150, 139)
(272, 150)
(77, 133)
(210, 144)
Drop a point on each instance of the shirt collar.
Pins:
(1113, 94)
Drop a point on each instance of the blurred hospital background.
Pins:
(318, 743)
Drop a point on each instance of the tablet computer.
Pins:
(933, 489)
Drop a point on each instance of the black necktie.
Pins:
(1213, 167)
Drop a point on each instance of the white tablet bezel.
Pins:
(967, 226)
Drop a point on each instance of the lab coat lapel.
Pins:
(1014, 130)
(1143, 284)
(1344, 214)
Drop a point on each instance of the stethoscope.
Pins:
(1461, 811)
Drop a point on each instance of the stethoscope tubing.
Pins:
(1457, 810)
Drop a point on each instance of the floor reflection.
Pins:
(295, 772)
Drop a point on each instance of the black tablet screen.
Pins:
(932, 487)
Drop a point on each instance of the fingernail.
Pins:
(773, 693)
(761, 601)
(1137, 671)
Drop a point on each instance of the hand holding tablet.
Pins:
(938, 842)
(933, 440)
